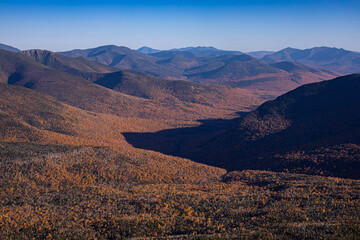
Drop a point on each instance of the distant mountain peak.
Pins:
(148, 50)
(126, 59)
(289, 49)
(206, 51)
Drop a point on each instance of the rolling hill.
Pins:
(245, 71)
(178, 91)
(333, 59)
(145, 86)
(178, 59)
(126, 59)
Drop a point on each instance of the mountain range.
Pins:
(69, 84)
(126, 59)
(206, 51)
(206, 65)
(333, 59)
(113, 143)
(248, 72)
(275, 131)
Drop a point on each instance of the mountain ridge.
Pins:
(334, 59)
(148, 50)
(205, 51)
(247, 72)
(78, 66)
(207, 65)
(8, 48)
(125, 58)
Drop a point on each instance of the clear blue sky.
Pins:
(247, 25)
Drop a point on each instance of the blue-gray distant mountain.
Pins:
(180, 59)
(334, 59)
(260, 54)
(148, 50)
(206, 51)
(8, 48)
(208, 65)
(126, 59)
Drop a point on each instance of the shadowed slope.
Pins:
(314, 129)
(311, 118)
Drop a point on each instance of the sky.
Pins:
(243, 25)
